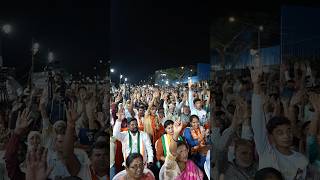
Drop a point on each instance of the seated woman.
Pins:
(135, 169)
(162, 144)
(195, 136)
(177, 166)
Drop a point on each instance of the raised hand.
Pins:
(237, 118)
(37, 166)
(256, 70)
(297, 98)
(315, 101)
(177, 127)
(22, 121)
(121, 116)
(100, 118)
(190, 84)
(72, 115)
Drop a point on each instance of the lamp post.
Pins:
(259, 29)
(35, 49)
(120, 79)
(6, 29)
(50, 77)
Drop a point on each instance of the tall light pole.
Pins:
(6, 29)
(35, 49)
(120, 79)
(259, 29)
(50, 77)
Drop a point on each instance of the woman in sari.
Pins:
(135, 169)
(177, 166)
(196, 139)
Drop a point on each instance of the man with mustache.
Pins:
(133, 140)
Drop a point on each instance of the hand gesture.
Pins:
(37, 166)
(190, 84)
(185, 97)
(22, 121)
(177, 127)
(297, 98)
(72, 115)
(237, 119)
(256, 71)
(315, 101)
(100, 118)
(121, 116)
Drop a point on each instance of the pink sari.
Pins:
(191, 172)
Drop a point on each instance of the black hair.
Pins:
(264, 173)
(141, 106)
(277, 121)
(98, 145)
(167, 123)
(196, 100)
(132, 157)
(71, 178)
(193, 116)
(181, 142)
(131, 119)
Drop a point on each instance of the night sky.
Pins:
(77, 34)
(138, 36)
(150, 35)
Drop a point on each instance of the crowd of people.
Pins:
(160, 130)
(265, 124)
(258, 124)
(56, 132)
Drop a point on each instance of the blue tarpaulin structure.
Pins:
(203, 71)
(300, 32)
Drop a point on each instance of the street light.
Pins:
(50, 57)
(120, 79)
(231, 19)
(6, 28)
(112, 70)
(35, 48)
(125, 79)
(260, 28)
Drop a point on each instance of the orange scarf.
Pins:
(197, 134)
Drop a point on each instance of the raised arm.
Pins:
(258, 118)
(117, 127)
(190, 97)
(177, 127)
(72, 163)
(11, 154)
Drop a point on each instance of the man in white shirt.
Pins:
(279, 155)
(133, 140)
(196, 107)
